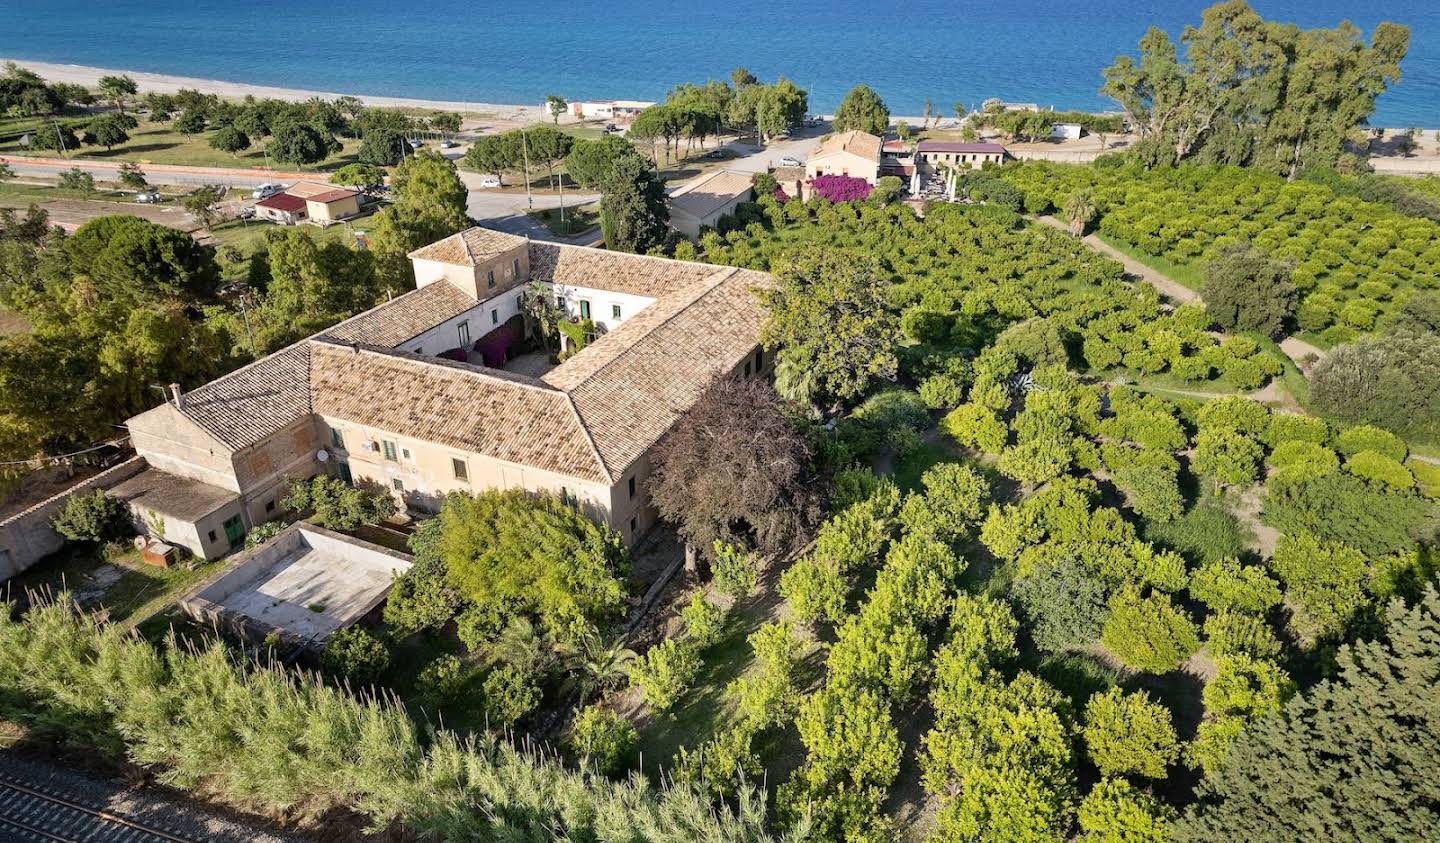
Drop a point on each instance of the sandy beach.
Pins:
(166, 84)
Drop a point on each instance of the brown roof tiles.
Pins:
(405, 317)
(854, 142)
(470, 247)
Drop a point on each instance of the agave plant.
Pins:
(594, 663)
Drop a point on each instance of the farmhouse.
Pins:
(305, 201)
(703, 200)
(853, 153)
(423, 395)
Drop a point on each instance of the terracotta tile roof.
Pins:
(485, 411)
(703, 195)
(331, 196)
(405, 317)
(618, 272)
(282, 202)
(254, 401)
(952, 146)
(631, 385)
(469, 247)
(854, 142)
(784, 174)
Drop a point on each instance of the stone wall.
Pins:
(27, 537)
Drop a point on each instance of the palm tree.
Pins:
(1080, 211)
(595, 664)
(520, 645)
(795, 381)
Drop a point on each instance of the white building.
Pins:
(703, 200)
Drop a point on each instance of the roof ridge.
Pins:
(702, 288)
(589, 438)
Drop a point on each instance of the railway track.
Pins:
(27, 814)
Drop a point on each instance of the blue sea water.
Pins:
(1042, 51)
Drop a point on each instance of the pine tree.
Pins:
(1355, 758)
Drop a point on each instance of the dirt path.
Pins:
(1167, 286)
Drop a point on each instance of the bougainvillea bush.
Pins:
(840, 188)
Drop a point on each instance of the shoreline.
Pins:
(166, 83)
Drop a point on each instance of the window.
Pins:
(632, 485)
(464, 330)
(345, 472)
(747, 368)
(560, 302)
(389, 450)
(337, 438)
(405, 452)
(515, 267)
(270, 506)
(584, 309)
(494, 317)
(490, 278)
(462, 471)
(399, 487)
(614, 311)
(212, 535)
(759, 359)
(419, 349)
(632, 526)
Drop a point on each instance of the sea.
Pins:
(1041, 51)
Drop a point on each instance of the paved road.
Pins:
(158, 174)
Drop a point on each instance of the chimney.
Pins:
(177, 395)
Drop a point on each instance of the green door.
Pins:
(234, 531)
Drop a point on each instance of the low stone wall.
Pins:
(27, 537)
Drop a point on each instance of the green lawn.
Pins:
(158, 143)
(249, 235)
(21, 195)
(578, 220)
(1186, 274)
(113, 580)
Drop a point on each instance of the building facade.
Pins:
(412, 396)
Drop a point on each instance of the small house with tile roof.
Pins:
(702, 201)
(407, 396)
(853, 153)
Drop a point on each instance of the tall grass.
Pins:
(272, 740)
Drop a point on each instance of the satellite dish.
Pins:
(322, 455)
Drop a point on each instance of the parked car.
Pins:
(266, 190)
(448, 144)
(611, 127)
(789, 161)
(489, 181)
(148, 196)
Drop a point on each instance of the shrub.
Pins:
(1208, 531)
(1115, 811)
(1231, 633)
(602, 738)
(1299, 460)
(1230, 459)
(704, 621)
(1153, 492)
(1391, 380)
(665, 672)
(1324, 579)
(1130, 734)
(510, 694)
(356, 654)
(336, 505)
(1427, 475)
(736, 572)
(1226, 584)
(1064, 604)
(441, 681)
(1343, 508)
(1149, 633)
(1295, 427)
(421, 599)
(976, 426)
(815, 589)
(263, 533)
(1370, 438)
(1378, 468)
(93, 517)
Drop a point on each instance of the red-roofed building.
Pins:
(282, 209)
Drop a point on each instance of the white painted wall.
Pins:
(446, 335)
(601, 304)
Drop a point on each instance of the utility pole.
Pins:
(59, 138)
(525, 151)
